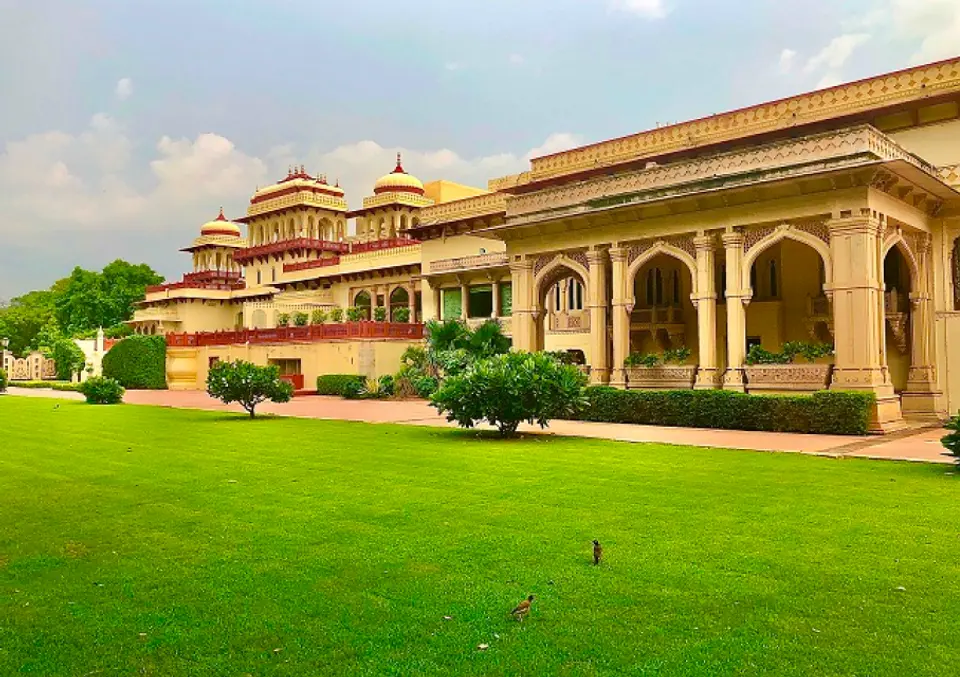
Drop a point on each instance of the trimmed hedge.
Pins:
(825, 412)
(340, 384)
(102, 391)
(138, 363)
(51, 385)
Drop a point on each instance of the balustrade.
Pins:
(309, 333)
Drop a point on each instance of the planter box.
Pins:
(788, 378)
(662, 377)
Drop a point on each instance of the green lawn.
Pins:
(149, 541)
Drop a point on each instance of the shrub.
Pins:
(336, 384)
(68, 358)
(380, 314)
(388, 385)
(247, 384)
(336, 315)
(300, 319)
(789, 352)
(401, 315)
(283, 320)
(676, 355)
(827, 412)
(3, 381)
(355, 314)
(98, 390)
(446, 335)
(487, 340)
(641, 360)
(51, 385)
(318, 316)
(505, 390)
(951, 441)
(138, 363)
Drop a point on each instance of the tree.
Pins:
(248, 384)
(951, 441)
(505, 390)
(68, 358)
(24, 318)
(88, 299)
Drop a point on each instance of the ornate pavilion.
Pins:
(831, 217)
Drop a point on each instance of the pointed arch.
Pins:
(553, 273)
(661, 247)
(787, 232)
(897, 240)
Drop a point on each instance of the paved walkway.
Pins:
(917, 444)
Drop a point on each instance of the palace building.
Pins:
(829, 217)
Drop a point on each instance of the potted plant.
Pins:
(336, 315)
(768, 371)
(300, 319)
(401, 315)
(668, 371)
(283, 320)
(380, 314)
(355, 314)
(318, 316)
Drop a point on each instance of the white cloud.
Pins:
(829, 80)
(934, 24)
(836, 54)
(555, 143)
(516, 59)
(453, 65)
(787, 58)
(647, 9)
(124, 88)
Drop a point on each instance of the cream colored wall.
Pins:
(197, 315)
(568, 341)
(938, 144)
(447, 191)
(187, 367)
(458, 246)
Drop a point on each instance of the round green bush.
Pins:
(3, 381)
(99, 390)
(138, 363)
(68, 358)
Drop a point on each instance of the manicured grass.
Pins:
(293, 547)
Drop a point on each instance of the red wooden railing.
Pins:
(195, 284)
(313, 332)
(375, 245)
(290, 245)
(307, 265)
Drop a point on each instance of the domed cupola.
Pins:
(398, 181)
(220, 226)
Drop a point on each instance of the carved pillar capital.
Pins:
(732, 239)
(705, 242)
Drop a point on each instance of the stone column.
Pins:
(737, 297)
(412, 300)
(464, 301)
(597, 307)
(495, 289)
(856, 248)
(922, 396)
(621, 307)
(705, 301)
(524, 312)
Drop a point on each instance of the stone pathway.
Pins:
(921, 444)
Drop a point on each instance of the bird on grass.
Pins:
(597, 552)
(522, 609)
(56, 406)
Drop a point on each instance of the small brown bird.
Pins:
(522, 609)
(597, 552)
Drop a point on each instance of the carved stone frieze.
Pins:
(793, 377)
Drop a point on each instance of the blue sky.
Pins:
(126, 124)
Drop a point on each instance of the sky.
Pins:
(126, 124)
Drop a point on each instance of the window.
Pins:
(753, 279)
(480, 303)
(574, 294)
(506, 299)
(676, 287)
(753, 341)
(654, 287)
(258, 277)
(774, 286)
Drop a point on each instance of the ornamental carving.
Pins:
(754, 235)
(580, 257)
(955, 270)
(685, 244)
(800, 377)
(818, 230)
(899, 328)
(541, 263)
(33, 367)
(663, 377)
(637, 250)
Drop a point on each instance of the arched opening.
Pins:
(258, 319)
(399, 298)
(897, 285)
(560, 327)
(291, 229)
(312, 228)
(787, 302)
(326, 229)
(362, 300)
(663, 316)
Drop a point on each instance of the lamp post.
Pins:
(4, 342)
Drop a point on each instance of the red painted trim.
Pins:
(219, 231)
(314, 332)
(398, 189)
(296, 189)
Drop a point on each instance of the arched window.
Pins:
(774, 283)
(654, 287)
(556, 297)
(574, 294)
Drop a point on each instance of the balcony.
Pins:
(309, 265)
(309, 334)
(298, 244)
(208, 280)
(377, 245)
(462, 263)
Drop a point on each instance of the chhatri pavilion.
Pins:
(829, 217)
